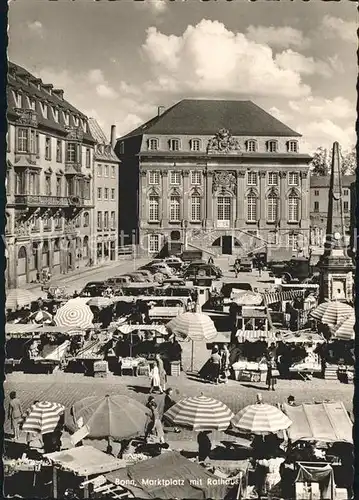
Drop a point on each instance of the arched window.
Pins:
(22, 253)
(153, 144)
(175, 209)
(174, 144)
(153, 209)
(86, 219)
(86, 247)
(195, 144)
(272, 208)
(196, 208)
(293, 208)
(272, 146)
(251, 146)
(57, 245)
(251, 208)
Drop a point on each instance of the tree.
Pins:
(320, 164)
(349, 162)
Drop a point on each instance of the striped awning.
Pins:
(18, 328)
(272, 298)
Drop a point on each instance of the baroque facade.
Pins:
(106, 175)
(49, 181)
(221, 176)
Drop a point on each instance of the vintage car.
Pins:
(93, 289)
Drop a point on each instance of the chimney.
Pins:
(160, 110)
(113, 136)
(48, 87)
(59, 93)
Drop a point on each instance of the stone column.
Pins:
(283, 200)
(209, 199)
(304, 199)
(241, 191)
(185, 174)
(164, 198)
(262, 198)
(142, 198)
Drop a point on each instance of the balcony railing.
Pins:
(35, 200)
(26, 117)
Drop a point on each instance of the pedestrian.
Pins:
(291, 401)
(204, 446)
(225, 363)
(157, 424)
(15, 414)
(210, 260)
(161, 372)
(272, 374)
(155, 379)
(260, 267)
(215, 361)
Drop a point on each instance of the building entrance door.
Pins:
(227, 245)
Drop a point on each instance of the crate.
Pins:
(100, 366)
(143, 370)
(175, 368)
(100, 375)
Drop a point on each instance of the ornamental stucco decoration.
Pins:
(223, 142)
(224, 181)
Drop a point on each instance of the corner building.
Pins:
(221, 176)
(49, 181)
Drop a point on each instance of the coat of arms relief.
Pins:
(223, 142)
(224, 182)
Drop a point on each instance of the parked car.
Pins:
(118, 281)
(192, 255)
(146, 273)
(93, 289)
(246, 265)
(227, 288)
(297, 269)
(137, 277)
(162, 268)
(174, 262)
(202, 268)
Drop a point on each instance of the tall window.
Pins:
(175, 177)
(316, 206)
(316, 192)
(293, 179)
(175, 208)
(196, 208)
(272, 208)
(174, 144)
(87, 189)
(293, 208)
(99, 170)
(252, 208)
(32, 141)
(292, 146)
(113, 193)
(113, 172)
(99, 220)
(224, 208)
(58, 186)
(272, 146)
(273, 238)
(345, 192)
(113, 220)
(88, 157)
(106, 220)
(293, 241)
(346, 206)
(86, 219)
(22, 140)
(33, 183)
(48, 185)
(154, 243)
(251, 146)
(272, 179)
(252, 178)
(59, 151)
(19, 181)
(99, 193)
(195, 144)
(106, 193)
(106, 170)
(153, 144)
(154, 212)
(37, 142)
(196, 177)
(154, 177)
(72, 152)
(47, 148)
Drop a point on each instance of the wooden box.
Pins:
(175, 368)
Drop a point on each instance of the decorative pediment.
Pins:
(59, 172)
(273, 191)
(293, 192)
(175, 192)
(224, 181)
(196, 191)
(223, 142)
(252, 192)
(153, 192)
(48, 171)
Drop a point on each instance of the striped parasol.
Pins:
(248, 299)
(18, 297)
(331, 313)
(345, 329)
(100, 302)
(200, 414)
(74, 314)
(41, 316)
(195, 326)
(43, 417)
(261, 419)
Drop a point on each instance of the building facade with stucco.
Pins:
(225, 177)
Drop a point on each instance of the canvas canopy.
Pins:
(168, 476)
(327, 422)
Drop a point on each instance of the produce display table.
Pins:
(130, 364)
(249, 371)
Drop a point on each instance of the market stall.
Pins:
(93, 351)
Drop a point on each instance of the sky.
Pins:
(117, 61)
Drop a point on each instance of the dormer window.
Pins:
(56, 114)
(251, 146)
(32, 104)
(66, 117)
(44, 110)
(17, 99)
(174, 144)
(153, 144)
(272, 146)
(292, 147)
(76, 121)
(195, 144)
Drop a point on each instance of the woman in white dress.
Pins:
(155, 379)
(272, 478)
